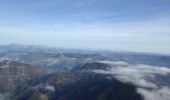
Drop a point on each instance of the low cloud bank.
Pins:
(114, 63)
(144, 77)
(47, 87)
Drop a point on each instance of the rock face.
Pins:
(15, 69)
(92, 66)
(13, 73)
(77, 86)
(38, 96)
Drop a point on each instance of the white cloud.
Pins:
(46, 87)
(50, 87)
(159, 94)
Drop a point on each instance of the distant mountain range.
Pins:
(46, 73)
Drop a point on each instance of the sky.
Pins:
(129, 25)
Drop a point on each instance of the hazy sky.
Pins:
(135, 25)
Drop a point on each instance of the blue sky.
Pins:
(132, 25)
